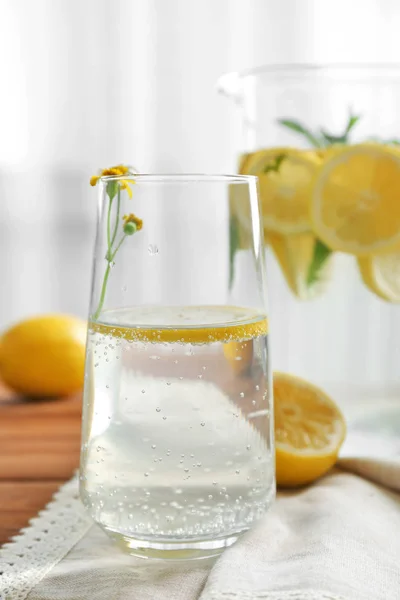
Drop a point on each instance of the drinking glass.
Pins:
(335, 316)
(177, 439)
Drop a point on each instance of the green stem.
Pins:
(103, 292)
(105, 280)
(118, 247)
(114, 235)
(109, 227)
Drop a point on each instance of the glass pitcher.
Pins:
(322, 139)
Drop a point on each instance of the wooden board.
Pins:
(39, 450)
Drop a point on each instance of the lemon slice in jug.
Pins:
(285, 178)
(355, 204)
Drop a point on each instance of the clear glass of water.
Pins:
(177, 440)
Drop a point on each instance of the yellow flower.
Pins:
(116, 171)
(125, 185)
(133, 219)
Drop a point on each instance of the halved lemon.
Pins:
(285, 177)
(295, 254)
(381, 274)
(355, 203)
(309, 430)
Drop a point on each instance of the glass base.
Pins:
(185, 550)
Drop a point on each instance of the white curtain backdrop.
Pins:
(89, 83)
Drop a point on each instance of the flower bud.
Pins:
(130, 228)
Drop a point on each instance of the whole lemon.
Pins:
(44, 355)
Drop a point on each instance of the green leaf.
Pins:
(275, 164)
(299, 128)
(394, 142)
(333, 139)
(112, 189)
(234, 243)
(320, 256)
(344, 138)
(353, 120)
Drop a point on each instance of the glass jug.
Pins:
(334, 316)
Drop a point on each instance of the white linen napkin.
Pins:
(338, 539)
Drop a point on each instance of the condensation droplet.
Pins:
(152, 249)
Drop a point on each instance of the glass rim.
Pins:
(377, 68)
(181, 178)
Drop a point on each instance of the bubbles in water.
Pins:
(248, 447)
(143, 391)
(124, 288)
(204, 368)
(241, 394)
(146, 474)
(210, 497)
(202, 424)
(253, 402)
(199, 376)
(158, 409)
(168, 383)
(164, 418)
(237, 471)
(107, 387)
(186, 470)
(214, 482)
(152, 249)
(257, 388)
(153, 446)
